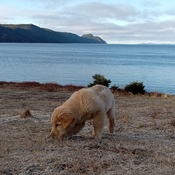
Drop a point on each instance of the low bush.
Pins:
(114, 87)
(135, 87)
(100, 79)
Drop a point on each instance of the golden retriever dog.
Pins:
(94, 103)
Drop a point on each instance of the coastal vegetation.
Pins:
(100, 79)
(134, 87)
(54, 87)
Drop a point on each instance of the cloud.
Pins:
(88, 15)
(102, 11)
(51, 4)
(150, 4)
(170, 12)
(149, 32)
(115, 23)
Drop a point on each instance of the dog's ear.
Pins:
(66, 120)
(58, 123)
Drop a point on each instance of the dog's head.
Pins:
(61, 121)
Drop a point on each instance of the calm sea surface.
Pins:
(154, 65)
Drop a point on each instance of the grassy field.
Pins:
(143, 142)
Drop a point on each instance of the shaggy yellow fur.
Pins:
(94, 103)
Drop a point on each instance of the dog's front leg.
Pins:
(78, 127)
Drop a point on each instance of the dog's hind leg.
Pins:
(110, 115)
(98, 123)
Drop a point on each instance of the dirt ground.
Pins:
(143, 142)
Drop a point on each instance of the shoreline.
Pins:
(54, 87)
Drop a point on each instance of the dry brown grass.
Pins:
(143, 142)
(50, 87)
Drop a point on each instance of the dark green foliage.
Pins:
(100, 79)
(135, 87)
(114, 87)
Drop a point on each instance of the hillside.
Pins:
(29, 33)
(96, 38)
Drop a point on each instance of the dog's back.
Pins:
(96, 98)
(102, 91)
(104, 94)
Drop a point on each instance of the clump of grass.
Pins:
(26, 113)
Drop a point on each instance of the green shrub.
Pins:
(135, 87)
(114, 87)
(100, 79)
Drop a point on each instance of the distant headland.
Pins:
(29, 33)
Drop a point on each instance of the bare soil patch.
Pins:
(143, 142)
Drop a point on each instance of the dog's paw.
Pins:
(96, 136)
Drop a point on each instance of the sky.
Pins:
(115, 21)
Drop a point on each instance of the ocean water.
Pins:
(154, 65)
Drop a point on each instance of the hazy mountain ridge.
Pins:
(90, 36)
(29, 33)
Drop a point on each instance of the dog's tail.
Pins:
(111, 115)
